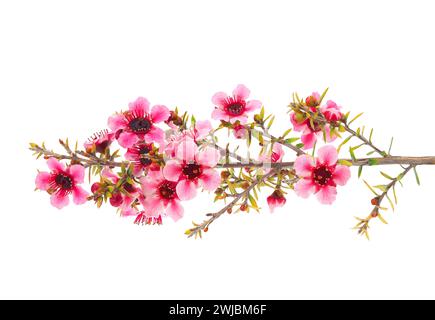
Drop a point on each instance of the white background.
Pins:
(66, 66)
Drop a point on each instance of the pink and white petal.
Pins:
(159, 113)
(210, 179)
(59, 201)
(186, 190)
(208, 157)
(117, 122)
(219, 114)
(149, 185)
(241, 91)
(279, 151)
(172, 170)
(308, 140)
(327, 155)
(242, 118)
(107, 173)
(127, 139)
(304, 187)
(327, 195)
(253, 105)
(155, 135)
(219, 99)
(187, 150)
(42, 181)
(341, 175)
(80, 196)
(202, 128)
(153, 206)
(304, 165)
(77, 172)
(54, 165)
(175, 210)
(140, 107)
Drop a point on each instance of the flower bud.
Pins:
(276, 200)
(116, 199)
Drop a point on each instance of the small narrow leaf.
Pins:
(417, 178)
(356, 117)
(371, 189)
(387, 176)
(360, 169)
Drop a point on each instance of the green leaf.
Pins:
(372, 162)
(343, 143)
(300, 145)
(345, 162)
(356, 117)
(291, 140)
(387, 176)
(416, 175)
(270, 122)
(381, 187)
(370, 188)
(285, 134)
(391, 145)
(371, 135)
(391, 202)
(323, 95)
(352, 154)
(360, 169)
(382, 219)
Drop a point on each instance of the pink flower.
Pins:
(310, 131)
(276, 200)
(99, 142)
(276, 155)
(235, 107)
(138, 123)
(199, 132)
(320, 176)
(160, 196)
(331, 111)
(240, 131)
(192, 169)
(61, 182)
(140, 156)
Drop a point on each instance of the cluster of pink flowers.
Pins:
(313, 130)
(169, 163)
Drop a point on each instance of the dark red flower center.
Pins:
(314, 126)
(322, 175)
(63, 181)
(167, 190)
(145, 161)
(140, 125)
(274, 157)
(192, 170)
(144, 149)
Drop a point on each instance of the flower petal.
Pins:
(155, 135)
(202, 129)
(187, 150)
(327, 194)
(79, 195)
(219, 114)
(210, 179)
(186, 190)
(341, 175)
(140, 107)
(296, 125)
(42, 181)
(55, 165)
(127, 139)
(160, 113)
(304, 187)
(327, 155)
(59, 201)
(219, 99)
(253, 105)
(308, 140)
(241, 91)
(153, 206)
(117, 122)
(304, 165)
(77, 172)
(208, 157)
(172, 170)
(175, 210)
